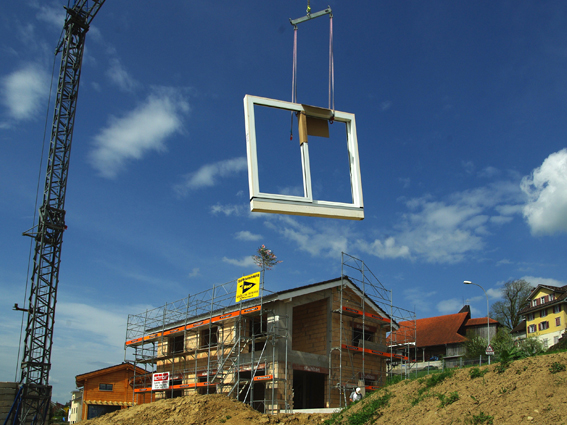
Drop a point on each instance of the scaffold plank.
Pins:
(215, 319)
(177, 387)
(353, 312)
(374, 352)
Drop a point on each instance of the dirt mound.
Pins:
(200, 409)
(532, 390)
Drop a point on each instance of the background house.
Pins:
(76, 409)
(519, 332)
(106, 390)
(444, 337)
(545, 314)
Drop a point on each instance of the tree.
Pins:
(265, 259)
(515, 294)
(475, 346)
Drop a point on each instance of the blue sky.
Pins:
(460, 112)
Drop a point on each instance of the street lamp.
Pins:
(468, 282)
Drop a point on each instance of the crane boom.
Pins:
(32, 404)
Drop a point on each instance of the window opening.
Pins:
(209, 338)
(105, 387)
(279, 159)
(176, 344)
(358, 337)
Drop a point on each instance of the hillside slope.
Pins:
(533, 390)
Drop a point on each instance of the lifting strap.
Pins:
(331, 97)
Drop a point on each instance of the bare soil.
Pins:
(532, 390)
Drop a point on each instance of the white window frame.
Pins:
(302, 205)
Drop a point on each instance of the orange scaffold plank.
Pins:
(215, 319)
(374, 352)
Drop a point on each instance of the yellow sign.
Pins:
(248, 287)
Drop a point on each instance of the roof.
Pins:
(560, 297)
(520, 327)
(438, 330)
(287, 294)
(481, 321)
(79, 379)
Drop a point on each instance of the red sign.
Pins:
(160, 381)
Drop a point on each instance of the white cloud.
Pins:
(494, 293)
(86, 338)
(445, 231)
(99, 323)
(468, 166)
(55, 16)
(144, 129)
(546, 187)
(419, 299)
(208, 174)
(489, 172)
(195, 272)
(245, 235)
(119, 76)
(543, 281)
(386, 249)
(452, 306)
(328, 241)
(229, 210)
(24, 91)
(244, 262)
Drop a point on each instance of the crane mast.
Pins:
(33, 401)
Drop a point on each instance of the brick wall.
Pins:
(310, 327)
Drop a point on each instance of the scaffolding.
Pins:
(208, 343)
(370, 329)
(305, 347)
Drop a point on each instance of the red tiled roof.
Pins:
(479, 321)
(432, 331)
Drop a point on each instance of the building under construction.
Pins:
(306, 347)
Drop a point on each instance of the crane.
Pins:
(34, 397)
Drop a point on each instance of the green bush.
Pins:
(530, 347)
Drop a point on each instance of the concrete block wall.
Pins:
(8, 391)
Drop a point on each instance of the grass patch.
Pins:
(501, 368)
(556, 367)
(430, 382)
(369, 410)
(482, 418)
(447, 399)
(475, 372)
